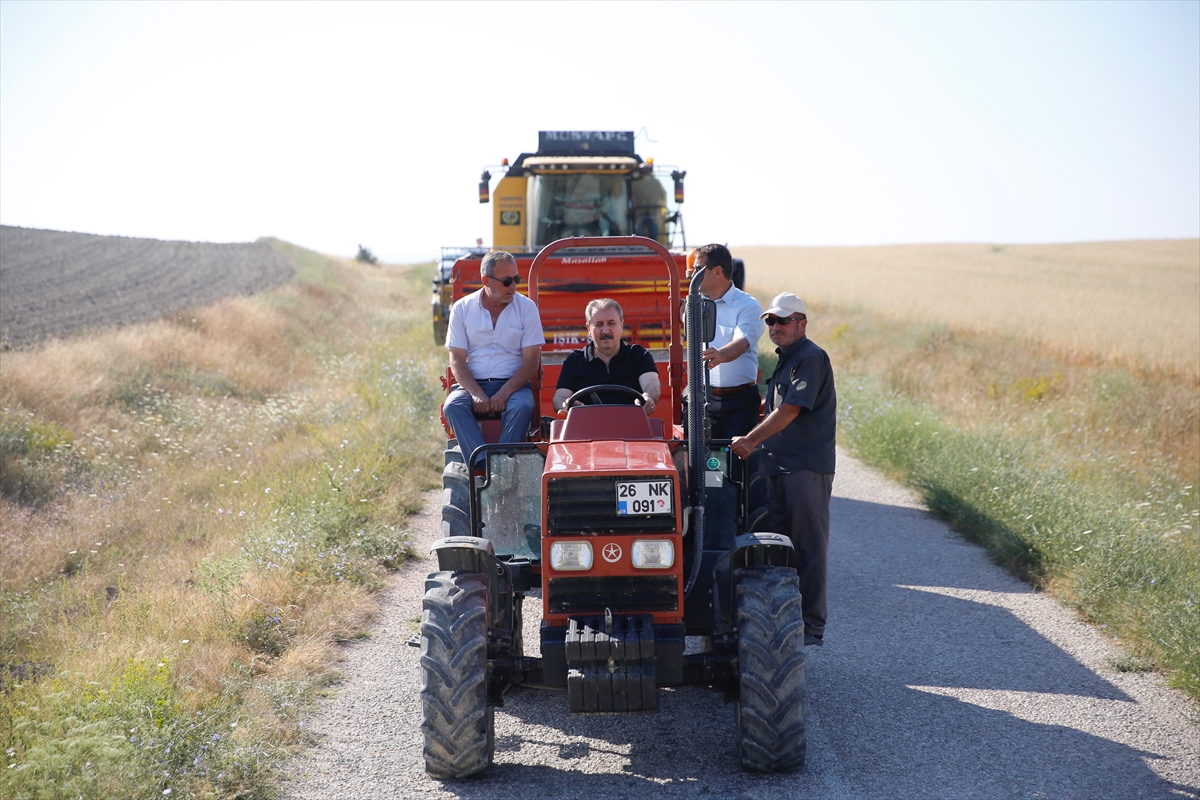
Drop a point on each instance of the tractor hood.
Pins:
(608, 456)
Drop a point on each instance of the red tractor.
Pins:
(634, 534)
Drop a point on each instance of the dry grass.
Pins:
(1097, 410)
(1136, 303)
(194, 511)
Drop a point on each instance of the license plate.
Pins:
(644, 497)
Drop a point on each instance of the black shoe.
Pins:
(812, 640)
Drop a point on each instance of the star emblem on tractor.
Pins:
(611, 552)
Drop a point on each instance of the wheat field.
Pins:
(1134, 302)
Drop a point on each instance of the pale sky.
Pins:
(798, 124)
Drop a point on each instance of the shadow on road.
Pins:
(898, 699)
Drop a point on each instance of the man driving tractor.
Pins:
(608, 360)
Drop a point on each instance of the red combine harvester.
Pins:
(634, 535)
(578, 183)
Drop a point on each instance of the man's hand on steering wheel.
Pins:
(590, 395)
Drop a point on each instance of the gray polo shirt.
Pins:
(804, 377)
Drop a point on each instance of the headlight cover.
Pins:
(653, 554)
(566, 556)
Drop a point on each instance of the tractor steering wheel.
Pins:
(591, 395)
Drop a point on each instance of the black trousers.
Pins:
(798, 506)
(734, 414)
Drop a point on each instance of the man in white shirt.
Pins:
(732, 357)
(495, 341)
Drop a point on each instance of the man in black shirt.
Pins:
(797, 439)
(607, 359)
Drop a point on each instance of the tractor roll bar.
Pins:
(675, 352)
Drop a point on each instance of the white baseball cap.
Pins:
(784, 305)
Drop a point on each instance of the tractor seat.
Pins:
(589, 423)
(491, 426)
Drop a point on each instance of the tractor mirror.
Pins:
(483, 186)
(710, 319)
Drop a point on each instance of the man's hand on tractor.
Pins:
(726, 353)
(742, 447)
(649, 404)
(777, 420)
(481, 403)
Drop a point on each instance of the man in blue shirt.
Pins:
(798, 451)
(495, 341)
(732, 357)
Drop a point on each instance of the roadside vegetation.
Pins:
(1078, 473)
(193, 512)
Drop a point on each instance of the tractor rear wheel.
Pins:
(456, 719)
(456, 492)
(770, 712)
(756, 492)
(760, 520)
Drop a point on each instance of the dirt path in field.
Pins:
(941, 677)
(56, 284)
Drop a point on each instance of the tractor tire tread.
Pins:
(456, 720)
(770, 712)
(456, 497)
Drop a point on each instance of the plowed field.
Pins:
(56, 284)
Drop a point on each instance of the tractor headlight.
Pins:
(571, 555)
(653, 554)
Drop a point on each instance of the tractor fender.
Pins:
(755, 549)
(475, 554)
(763, 549)
(467, 553)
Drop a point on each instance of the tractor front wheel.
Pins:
(456, 719)
(770, 712)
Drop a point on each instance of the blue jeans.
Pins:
(459, 411)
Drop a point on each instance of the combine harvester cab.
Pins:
(635, 535)
(578, 183)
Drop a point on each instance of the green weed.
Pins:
(36, 458)
(1125, 553)
(134, 735)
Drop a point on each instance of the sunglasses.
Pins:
(506, 282)
(773, 320)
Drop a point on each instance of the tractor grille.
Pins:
(621, 593)
(589, 505)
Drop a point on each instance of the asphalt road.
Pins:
(941, 676)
